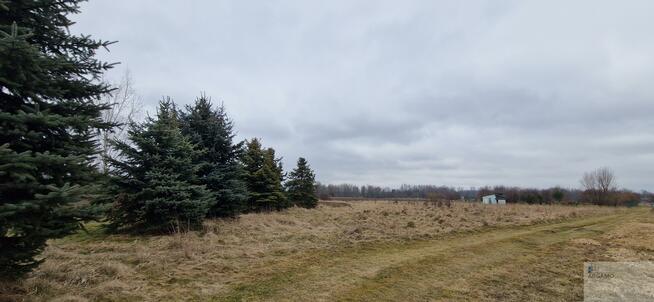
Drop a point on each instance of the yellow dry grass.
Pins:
(230, 253)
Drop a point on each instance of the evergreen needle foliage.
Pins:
(301, 185)
(264, 178)
(220, 169)
(48, 120)
(155, 177)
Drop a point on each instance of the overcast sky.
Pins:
(460, 93)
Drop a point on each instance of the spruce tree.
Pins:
(48, 120)
(220, 169)
(264, 178)
(155, 178)
(301, 185)
(276, 177)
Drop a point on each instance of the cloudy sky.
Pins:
(460, 93)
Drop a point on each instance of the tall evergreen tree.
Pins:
(155, 177)
(263, 178)
(220, 169)
(276, 178)
(49, 80)
(301, 185)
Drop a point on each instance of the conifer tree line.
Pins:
(175, 169)
(181, 166)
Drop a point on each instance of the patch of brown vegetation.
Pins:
(634, 235)
(203, 264)
(585, 241)
(335, 204)
(632, 241)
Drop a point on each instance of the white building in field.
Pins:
(493, 199)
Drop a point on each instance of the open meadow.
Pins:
(348, 251)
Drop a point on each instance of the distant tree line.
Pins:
(70, 153)
(513, 194)
(587, 195)
(326, 191)
(533, 195)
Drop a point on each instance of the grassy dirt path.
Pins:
(529, 263)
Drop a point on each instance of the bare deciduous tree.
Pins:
(126, 107)
(605, 179)
(599, 185)
(588, 181)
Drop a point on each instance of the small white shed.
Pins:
(493, 199)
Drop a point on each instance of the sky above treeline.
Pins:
(457, 93)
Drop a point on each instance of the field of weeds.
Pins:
(201, 265)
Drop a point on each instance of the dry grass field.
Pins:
(353, 251)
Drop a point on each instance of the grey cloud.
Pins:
(462, 93)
